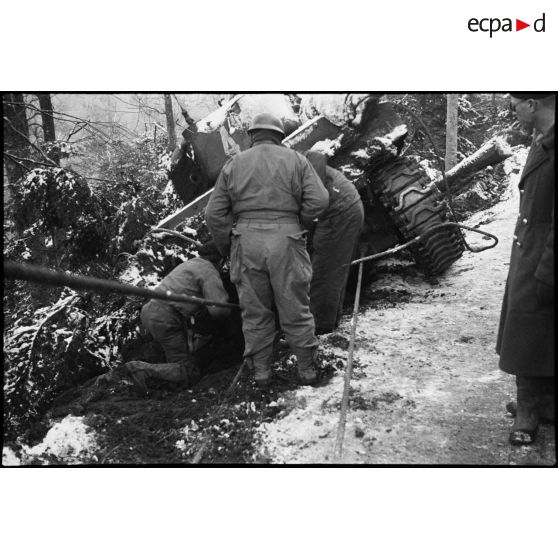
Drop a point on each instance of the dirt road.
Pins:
(426, 387)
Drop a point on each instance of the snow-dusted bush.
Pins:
(56, 209)
(61, 338)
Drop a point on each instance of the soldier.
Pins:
(526, 333)
(334, 241)
(167, 321)
(263, 199)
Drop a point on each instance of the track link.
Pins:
(414, 207)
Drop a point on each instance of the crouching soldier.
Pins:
(335, 239)
(166, 321)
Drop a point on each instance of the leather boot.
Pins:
(524, 429)
(184, 374)
(261, 365)
(307, 367)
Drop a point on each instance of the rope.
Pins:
(347, 380)
(199, 454)
(38, 274)
(426, 233)
(348, 372)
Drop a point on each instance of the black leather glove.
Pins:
(545, 293)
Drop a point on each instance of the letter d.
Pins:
(535, 25)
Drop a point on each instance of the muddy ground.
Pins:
(426, 388)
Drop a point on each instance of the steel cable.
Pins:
(423, 235)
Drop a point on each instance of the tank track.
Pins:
(402, 188)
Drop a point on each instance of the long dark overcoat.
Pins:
(526, 334)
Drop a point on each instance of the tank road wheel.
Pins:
(402, 188)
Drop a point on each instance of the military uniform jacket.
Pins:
(526, 333)
(196, 277)
(342, 193)
(264, 181)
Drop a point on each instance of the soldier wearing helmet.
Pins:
(263, 200)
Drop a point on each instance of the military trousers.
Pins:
(334, 243)
(166, 326)
(270, 265)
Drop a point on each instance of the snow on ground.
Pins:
(426, 388)
(9, 458)
(68, 441)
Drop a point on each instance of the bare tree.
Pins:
(49, 131)
(16, 135)
(170, 122)
(451, 131)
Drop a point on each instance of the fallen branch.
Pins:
(491, 153)
(17, 162)
(176, 234)
(47, 158)
(15, 159)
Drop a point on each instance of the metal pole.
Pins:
(345, 399)
(38, 274)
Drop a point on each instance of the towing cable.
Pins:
(426, 233)
(338, 451)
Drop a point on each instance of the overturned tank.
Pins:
(362, 136)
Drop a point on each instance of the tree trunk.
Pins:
(451, 131)
(49, 131)
(491, 153)
(16, 133)
(170, 122)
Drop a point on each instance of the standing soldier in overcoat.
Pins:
(263, 200)
(526, 333)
